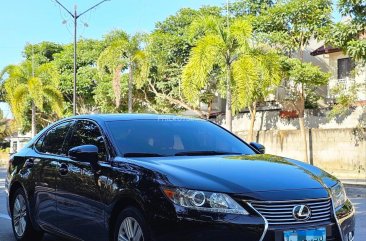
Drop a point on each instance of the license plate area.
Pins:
(316, 234)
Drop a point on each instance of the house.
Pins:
(18, 140)
(345, 72)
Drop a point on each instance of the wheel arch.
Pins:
(16, 185)
(122, 203)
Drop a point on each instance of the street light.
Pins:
(75, 16)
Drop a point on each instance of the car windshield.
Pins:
(154, 138)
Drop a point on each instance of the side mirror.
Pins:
(260, 148)
(85, 153)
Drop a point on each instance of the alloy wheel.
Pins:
(130, 230)
(19, 215)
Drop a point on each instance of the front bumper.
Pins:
(346, 221)
(190, 225)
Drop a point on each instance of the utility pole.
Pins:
(34, 130)
(75, 16)
(228, 109)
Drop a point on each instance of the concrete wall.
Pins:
(341, 152)
(315, 119)
(337, 145)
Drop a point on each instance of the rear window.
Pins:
(172, 137)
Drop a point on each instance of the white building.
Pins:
(344, 70)
(18, 141)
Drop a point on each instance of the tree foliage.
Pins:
(26, 84)
(88, 52)
(123, 53)
(5, 127)
(350, 34)
(250, 7)
(289, 25)
(168, 50)
(219, 47)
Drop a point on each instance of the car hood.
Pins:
(237, 174)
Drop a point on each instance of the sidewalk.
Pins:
(355, 182)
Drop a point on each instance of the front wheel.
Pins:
(22, 226)
(131, 226)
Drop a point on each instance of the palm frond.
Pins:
(142, 68)
(245, 75)
(55, 99)
(210, 50)
(48, 73)
(241, 30)
(204, 25)
(35, 87)
(18, 102)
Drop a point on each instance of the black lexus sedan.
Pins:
(167, 178)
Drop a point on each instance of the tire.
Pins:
(20, 218)
(129, 217)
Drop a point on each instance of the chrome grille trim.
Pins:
(280, 212)
(265, 222)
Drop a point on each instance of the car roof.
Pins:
(119, 117)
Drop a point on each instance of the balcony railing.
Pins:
(345, 84)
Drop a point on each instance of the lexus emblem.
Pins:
(301, 212)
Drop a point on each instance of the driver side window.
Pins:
(88, 133)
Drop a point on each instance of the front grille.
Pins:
(280, 212)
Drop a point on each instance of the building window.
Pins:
(345, 67)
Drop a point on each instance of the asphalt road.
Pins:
(357, 195)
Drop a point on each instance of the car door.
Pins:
(79, 204)
(43, 159)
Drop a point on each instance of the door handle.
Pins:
(29, 163)
(63, 170)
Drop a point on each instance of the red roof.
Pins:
(325, 49)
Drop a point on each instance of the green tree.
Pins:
(345, 99)
(250, 7)
(5, 130)
(168, 51)
(250, 89)
(350, 35)
(124, 52)
(35, 86)
(88, 52)
(300, 76)
(41, 53)
(222, 46)
(289, 26)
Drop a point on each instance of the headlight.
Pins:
(204, 201)
(338, 195)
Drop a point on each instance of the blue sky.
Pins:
(25, 21)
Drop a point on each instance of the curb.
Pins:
(354, 183)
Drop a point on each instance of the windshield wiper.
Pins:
(206, 153)
(142, 154)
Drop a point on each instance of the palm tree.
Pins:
(218, 45)
(256, 75)
(37, 85)
(4, 127)
(124, 52)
